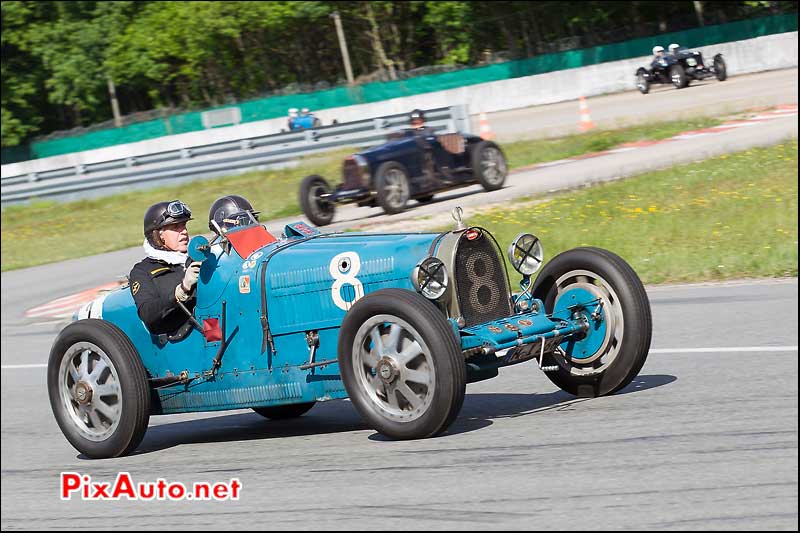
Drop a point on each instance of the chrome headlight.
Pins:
(430, 278)
(363, 165)
(526, 254)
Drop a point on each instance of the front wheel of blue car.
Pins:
(401, 364)
(98, 389)
(611, 353)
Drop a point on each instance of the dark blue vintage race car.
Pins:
(413, 164)
(399, 323)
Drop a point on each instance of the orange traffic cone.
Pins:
(485, 131)
(586, 119)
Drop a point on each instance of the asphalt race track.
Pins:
(705, 437)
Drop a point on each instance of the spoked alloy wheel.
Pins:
(394, 367)
(90, 391)
(401, 364)
(98, 389)
(489, 165)
(393, 187)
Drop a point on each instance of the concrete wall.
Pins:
(753, 55)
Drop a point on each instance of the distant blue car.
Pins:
(399, 323)
(411, 165)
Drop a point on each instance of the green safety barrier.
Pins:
(276, 106)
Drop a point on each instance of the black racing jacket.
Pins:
(152, 283)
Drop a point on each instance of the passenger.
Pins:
(674, 49)
(167, 275)
(231, 211)
(228, 212)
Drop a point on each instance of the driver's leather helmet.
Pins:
(163, 214)
(231, 211)
(417, 116)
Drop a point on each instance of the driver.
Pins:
(420, 130)
(417, 121)
(167, 275)
(658, 56)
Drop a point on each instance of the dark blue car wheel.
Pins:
(318, 209)
(393, 187)
(401, 364)
(489, 165)
(622, 349)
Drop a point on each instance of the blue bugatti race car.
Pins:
(413, 164)
(399, 323)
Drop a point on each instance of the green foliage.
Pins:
(58, 55)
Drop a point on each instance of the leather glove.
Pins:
(184, 288)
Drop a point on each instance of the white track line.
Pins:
(727, 349)
(655, 350)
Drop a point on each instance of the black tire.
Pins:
(318, 210)
(489, 165)
(678, 76)
(425, 199)
(621, 357)
(720, 69)
(284, 412)
(393, 187)
(642, 83)
(399, 316)
(108, 425)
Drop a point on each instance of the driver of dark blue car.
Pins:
(166, 276)
(417, 122)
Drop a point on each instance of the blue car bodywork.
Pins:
(267, 330)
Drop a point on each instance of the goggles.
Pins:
(242, 218)
(175, 211)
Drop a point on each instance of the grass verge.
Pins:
(733, 216)
(47, 231)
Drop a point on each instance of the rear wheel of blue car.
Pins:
(489, 165)
(621, 320)
(98, 389)
(313, 199)
(393, 187)
(401, 364)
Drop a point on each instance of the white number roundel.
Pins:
(344, 268)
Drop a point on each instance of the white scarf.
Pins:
(170, 257)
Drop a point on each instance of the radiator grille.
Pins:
(352, 175)
(481, 282)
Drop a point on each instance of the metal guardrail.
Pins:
(210, 160)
